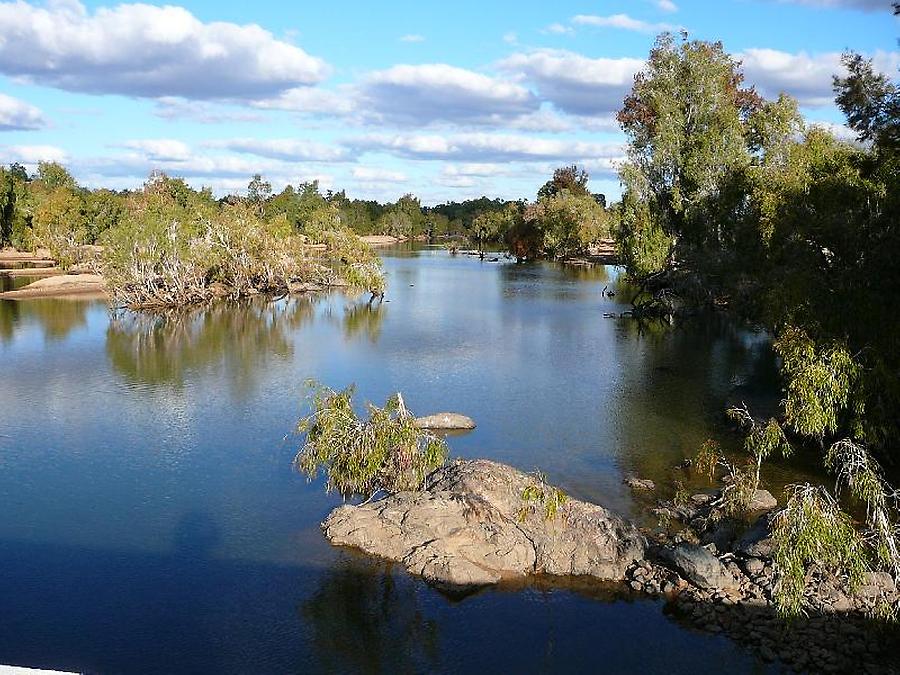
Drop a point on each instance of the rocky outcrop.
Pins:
(445, 421)
(472, 526)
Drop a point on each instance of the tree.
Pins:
(54, 175)
(686, 120)
(870, 102)
(567, 178)
(259, 192)
(570, 222)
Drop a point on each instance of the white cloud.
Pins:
(475, 169)
(482, 147)
(161, 149)
(30, 155)
(559, 29)
(144, 50)
(311, 100)
(666, 6)
(370, 174)
(510, 38)
(287, 149)
(204, 112)
(429, 93)
(839, 131)
(622, 22)
(806, 77)
(412, 37)
(16, 115)
(575, 83)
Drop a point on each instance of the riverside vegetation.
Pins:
(731, 201)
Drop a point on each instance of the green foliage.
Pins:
(361, 457)
(565, 179)
(570, 222)
(686, 119)
(708, 459)
(859, 473)
(812, 530)
(540, 495)
(870, 101)
(819, 380)
(58, 223)
(173, 244)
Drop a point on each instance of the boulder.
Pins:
(757, 542)
(471, 527)
(762, 501)
(445, 421)
(699, 566)
(636, 483)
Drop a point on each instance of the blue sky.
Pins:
(445, 100)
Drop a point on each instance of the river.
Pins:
(151, 520)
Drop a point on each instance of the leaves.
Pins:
(360, 457)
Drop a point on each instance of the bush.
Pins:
(361, 457)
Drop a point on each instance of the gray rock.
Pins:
(699, 566)
(762, 501)
(757, 542)
(446, 421)
(639, 483)
(468, 528)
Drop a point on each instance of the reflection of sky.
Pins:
(161, 451)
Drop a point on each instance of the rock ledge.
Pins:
(471, 527)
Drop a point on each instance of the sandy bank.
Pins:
(60, 286)
(380, 239)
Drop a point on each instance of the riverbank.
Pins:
(60, 286)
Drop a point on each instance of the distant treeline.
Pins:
(48, 209)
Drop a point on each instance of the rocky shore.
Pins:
(479, 522)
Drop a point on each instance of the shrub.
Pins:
(361, 457)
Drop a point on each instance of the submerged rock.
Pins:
(472, 527)
(636, 483)
(445, 421)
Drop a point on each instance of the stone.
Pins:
(639, 483)
(757, 542)
(753, 567)
(699, 566)
(762, 501)
(471, 528)
(445, 421)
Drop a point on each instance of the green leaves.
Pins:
(818, 381)
(360, 457)
(539, 494)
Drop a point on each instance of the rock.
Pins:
(753, 567)
(757, 542)
(445, 422)
(762, 501)
(639, 483)
(699, 566)
(468, 528)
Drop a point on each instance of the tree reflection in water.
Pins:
(161, 347)
(56, 317)
(364, 318)
(364, 618)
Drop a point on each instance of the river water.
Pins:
(151, 520)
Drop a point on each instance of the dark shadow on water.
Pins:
(189, 611)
